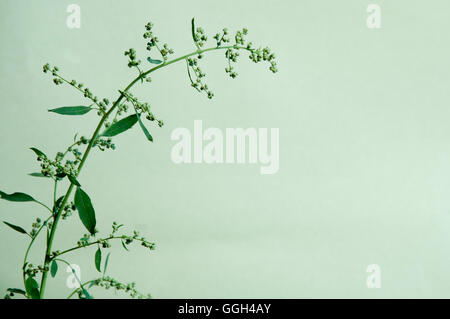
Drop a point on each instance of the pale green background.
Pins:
(364, 147)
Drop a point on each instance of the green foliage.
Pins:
(32, 288)
(72, 110)
(16, 197)
(53, 268)
(98, 259)
(85, 210)
(115, 118)
(121, 126)
(16, 228)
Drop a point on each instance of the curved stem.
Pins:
(91, 142)
(43, 205)
(82, 285)
(93, 243)
(29, 247)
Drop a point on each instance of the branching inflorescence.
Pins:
(115, 118)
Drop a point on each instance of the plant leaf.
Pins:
(16, 197)
(98, 259)
(38, 152)
(73, 180)
(85, 210)
(193, 30)
(32, 288)
(53, 268)
(37, 175)
(106, 263)
(16, 291)
(121, 126)
(144, 129)
(71, 110)
(16, 228)
(124, 246)
(154, 61)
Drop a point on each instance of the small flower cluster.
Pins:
(35, 227)
(141, 108)
(104, 143)
(133, 62)
(55, 169)
(67, 210)
(258, 55)
(31, 270)
(144, 242)
(108, 282)
(192, 63)
(153, 41)
(84, 241)
(200, 37)
(58, 79)
(222, 37)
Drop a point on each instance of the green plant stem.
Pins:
(44, 224)
(82, 285)
(93, 243)
(91, 142)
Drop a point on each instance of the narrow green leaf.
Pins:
(16, 291)
(144, 129)
(16, 228)
(73, 180)
(37, 175)
(124, 246)
(85, 210)
(106, 263)
(154, 61)
(71, 110)
(38, 152)
(193, 30)
(53, 268)
(16, 197)
(121, 126)
(98, 259)
(32, 288)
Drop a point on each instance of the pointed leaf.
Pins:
(16, 197)
(38, 152)
(85, 210)
(71, 110)
(154, 61)
(144, 129)
(16, 291)
(73, 180)
(16, 228)
(54, 268)
(121, 126)
(37, 175)
(193, 30)
(106, 263)
(124, 246)
(98, 259)
(32, 288)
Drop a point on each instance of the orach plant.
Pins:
(113, 121)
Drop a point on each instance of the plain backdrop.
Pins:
(364, 172)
